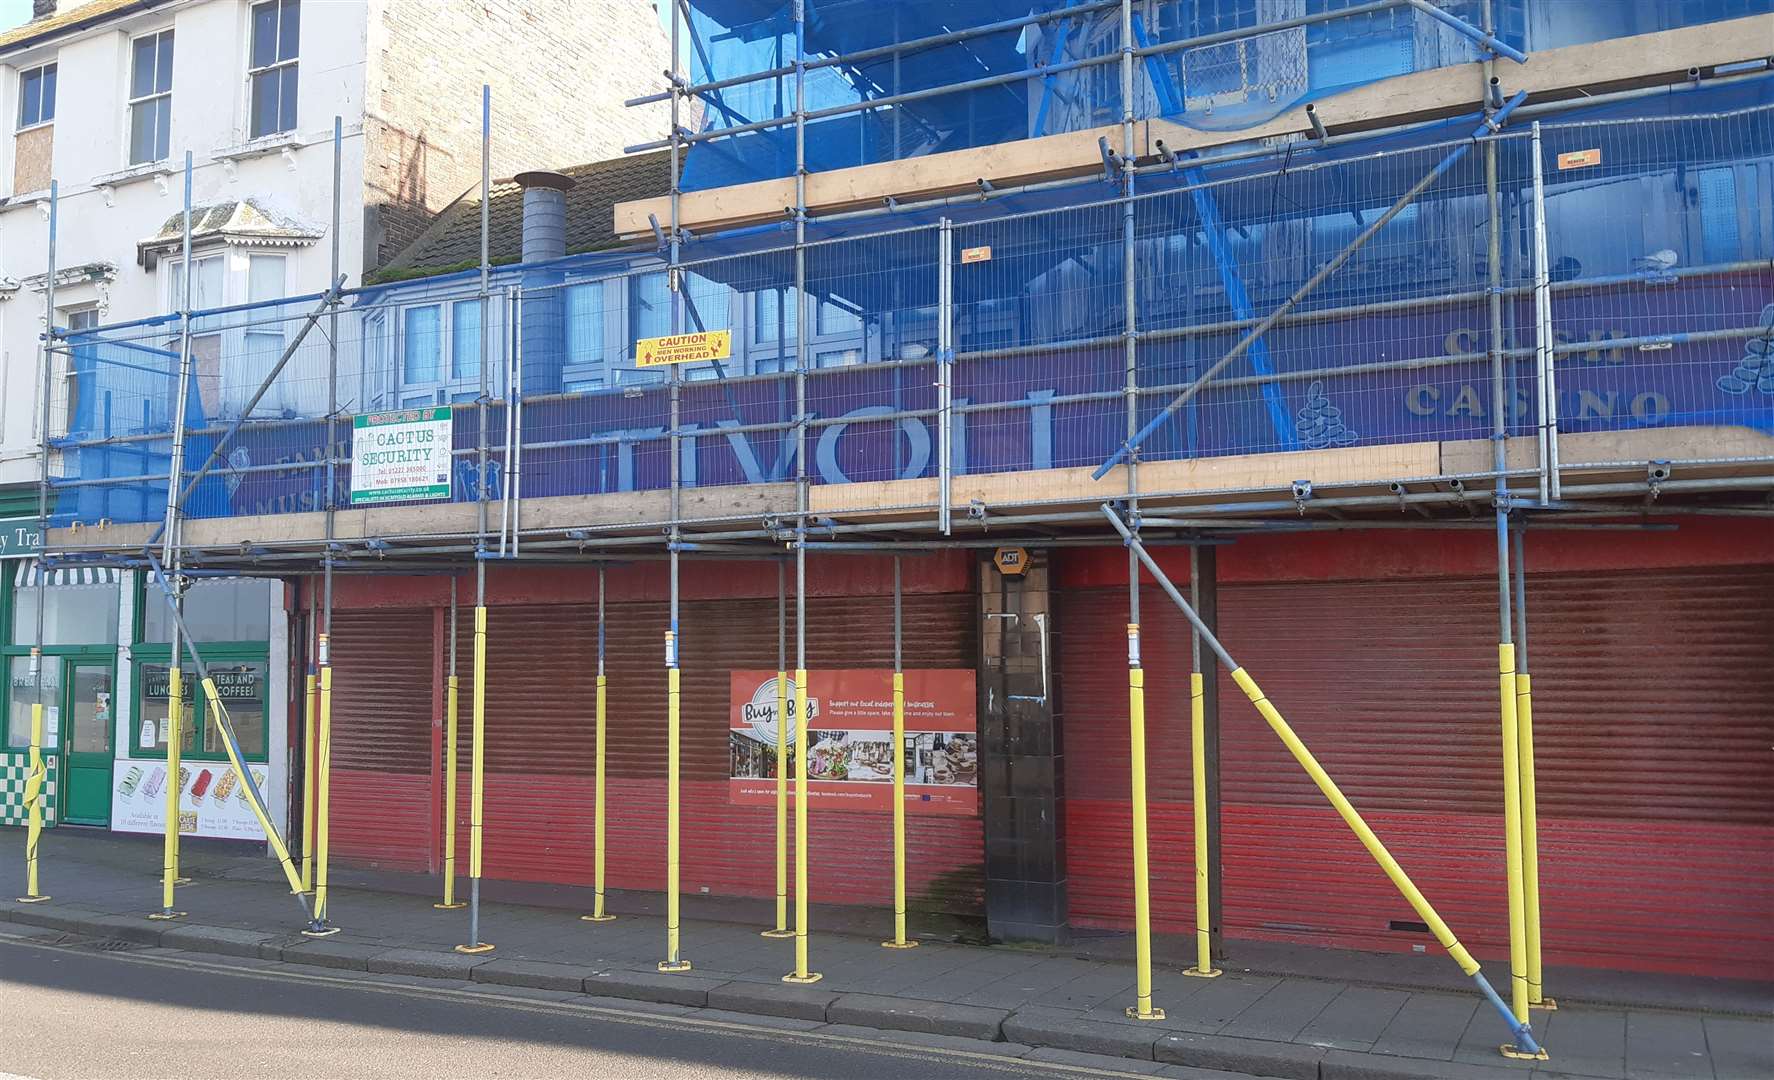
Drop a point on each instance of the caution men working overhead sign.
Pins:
(683, 348)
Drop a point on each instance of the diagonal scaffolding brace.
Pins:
(1524, 1038)
(230, 741)
(1490, 125)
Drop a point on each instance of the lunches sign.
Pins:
(400, 455)
(850, 739)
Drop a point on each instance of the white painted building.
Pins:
(106, 98)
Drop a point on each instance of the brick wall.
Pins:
(559, 69)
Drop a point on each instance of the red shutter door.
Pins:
(1653, 723)
(542, 666)
(381, 802)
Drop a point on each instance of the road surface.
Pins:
(76, 1011)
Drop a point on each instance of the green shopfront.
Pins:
(103, 684)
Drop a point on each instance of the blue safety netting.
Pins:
(1002, 84)
(1659, 253)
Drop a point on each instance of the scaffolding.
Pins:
(1428, 284)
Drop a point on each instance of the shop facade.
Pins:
(1652, 653)
(103, 683)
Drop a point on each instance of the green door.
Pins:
(89, 722)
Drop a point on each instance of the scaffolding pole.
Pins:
(1530, 827)
(598, 914)
(38, 773)
(477, 748)
(1203, 967)
(1500, 398)
(323, 774)
(310, 702)
(1524, 1037)
(781, 929)
(172, 554)
(452, 698)
(674, 960)
(899, 939)
(801, 974)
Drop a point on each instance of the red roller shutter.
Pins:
(1653, 724)
(382, 714)
(542, 666)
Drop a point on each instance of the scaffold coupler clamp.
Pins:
(1302, 495)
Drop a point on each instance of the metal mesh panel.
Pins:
(1662, 299)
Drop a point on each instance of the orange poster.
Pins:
(850, 740)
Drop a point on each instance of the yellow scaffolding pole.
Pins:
(175, 707)
(476, 778)
(1530, 822)
(673, 961)
(1203, 968)
(323, 779)
(899, 939)
(781, 929)
(598, 914)
(309, 690)
(34, 782)
(1142, 888)
(801, 974)
(1518, 956)
(1524, 1038)
(452, 734)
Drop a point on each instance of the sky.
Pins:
(13, 12)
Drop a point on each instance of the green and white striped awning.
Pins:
(66, 576)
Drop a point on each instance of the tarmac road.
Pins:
(73, 1011)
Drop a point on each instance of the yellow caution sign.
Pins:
(1580, 159)
(979, 254)
(683, 348)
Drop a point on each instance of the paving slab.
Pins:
(634, 1005)
(912, 1014)
(1742, 1049)
(1284, 1011)
(539, 974)
(1039, 1027)
(217, 940)
(1584, 1042)
(680, 989)
(778, 999)
(1349, 1065)
(1257, 1057)
(1427, 1025)
(1219, 1002)
(1354, 1018)
(1664, 1046)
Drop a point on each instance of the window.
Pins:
(206, 283)
(465, 339)
(150, 98)
(216, 610)
(264, 334)
(587, 359)
(277, 31)
(79, 612)
(24, 695)
(36, 96)
(241, 688)
(421, 357)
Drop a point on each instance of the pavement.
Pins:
(1274, 1024)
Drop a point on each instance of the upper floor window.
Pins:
(150, 98)
(36, 96)
(277, 31)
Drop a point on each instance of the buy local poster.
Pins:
(850, 739)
